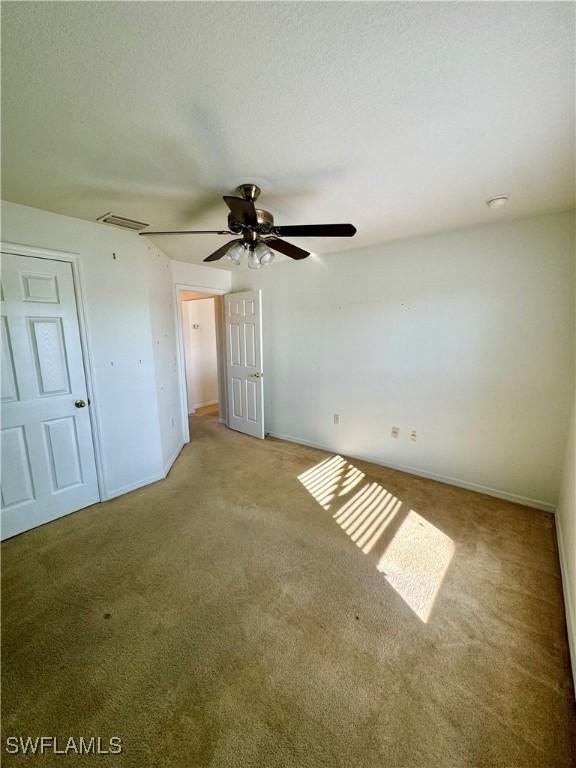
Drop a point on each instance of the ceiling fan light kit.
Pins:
(259, 255)
(260, 236)
(253, 259)
(235, 253)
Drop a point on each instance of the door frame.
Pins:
(73, 259)
(181, 360)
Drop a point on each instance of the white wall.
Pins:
(197, 276)
(127, 286)
(199, 330)
(465, 337)
(566, 528)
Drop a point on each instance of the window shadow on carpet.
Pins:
(411, 553)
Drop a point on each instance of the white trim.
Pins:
(133, 486)
(180, 355)
(73, 259)
(569, 597)
(141, 483)
(19, 249)
(221, 358)
(526, 501)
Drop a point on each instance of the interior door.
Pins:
(244, 375)
(47, 453)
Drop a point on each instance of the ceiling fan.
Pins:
(258, 232)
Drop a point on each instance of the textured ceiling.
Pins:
(402, 118)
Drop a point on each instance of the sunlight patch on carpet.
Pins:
(415, 562)
(415, 554)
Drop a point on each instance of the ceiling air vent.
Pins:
(120, 221)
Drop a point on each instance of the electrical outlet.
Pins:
(413, 435)
(336, 418)
(395, 432)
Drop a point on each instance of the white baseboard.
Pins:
(172, 459)
(132, 487)
(526, 501)
(569, 596)
(113, 494)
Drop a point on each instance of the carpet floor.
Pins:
(270, 605)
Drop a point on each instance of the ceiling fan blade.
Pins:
(222, 251)
(286, 248)
(242, 210)
(317, 230)
(192, 232)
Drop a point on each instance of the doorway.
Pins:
(199, 314)
(237, 342)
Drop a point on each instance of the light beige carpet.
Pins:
(269, 605)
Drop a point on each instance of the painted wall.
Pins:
(199, 329)
(130, 322)
(197, 276)
(566, 528)
(465, 337)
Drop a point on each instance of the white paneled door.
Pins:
(48, 466)
(243, 319)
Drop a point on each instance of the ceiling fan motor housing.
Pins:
(264, 223)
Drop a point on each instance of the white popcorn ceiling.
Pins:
(401, 118)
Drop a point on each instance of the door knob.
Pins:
(80, 404)
(258, 375)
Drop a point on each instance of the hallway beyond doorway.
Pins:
(207, 410)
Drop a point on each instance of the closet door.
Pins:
(47, 453)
